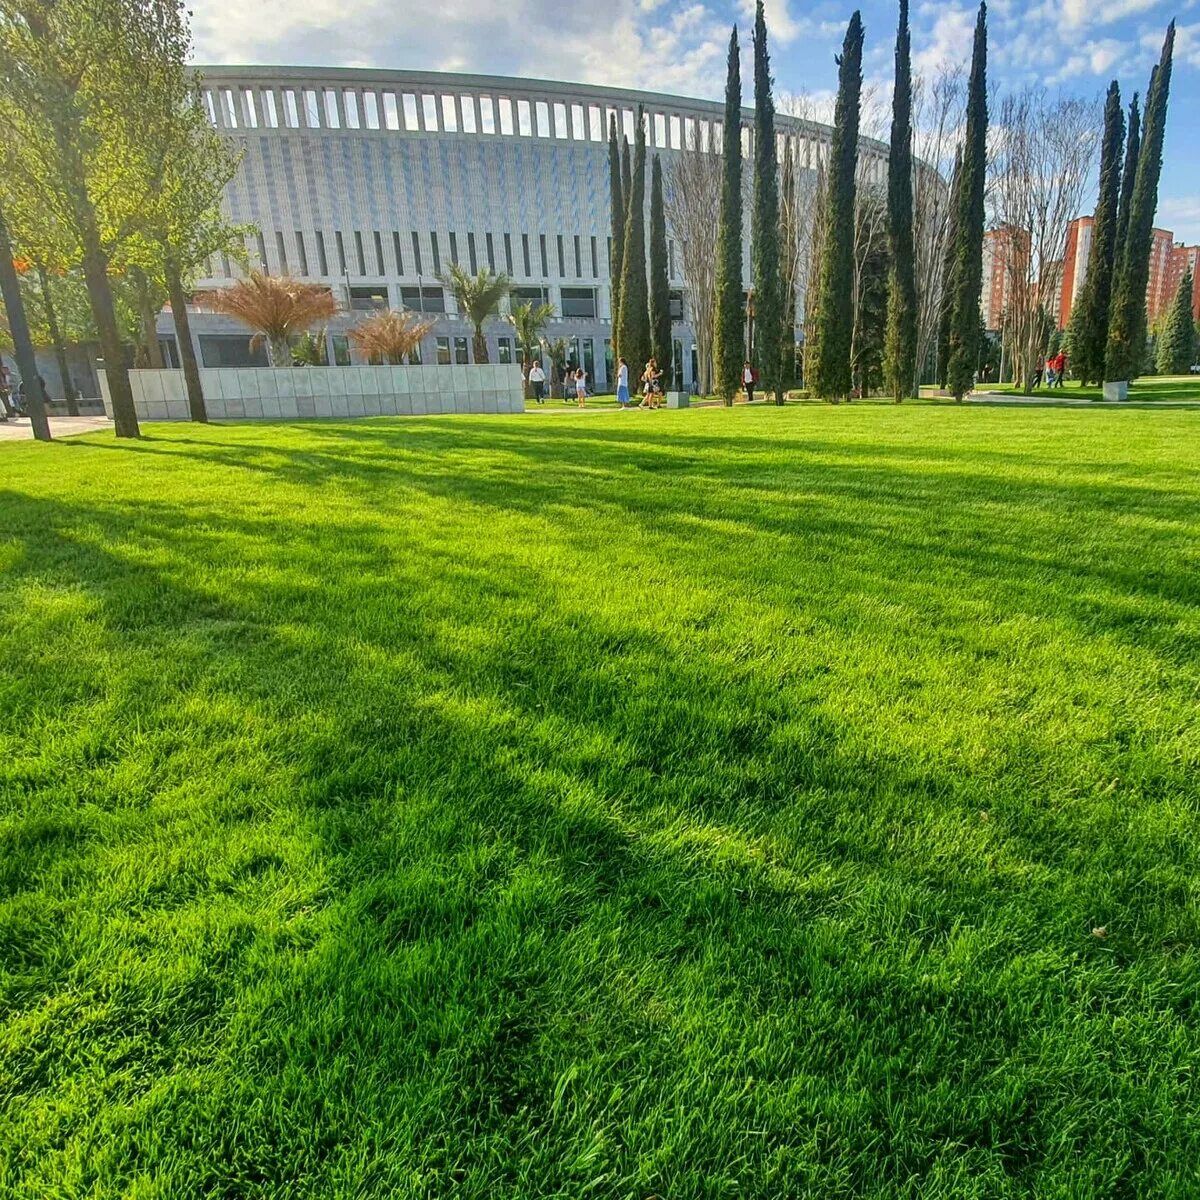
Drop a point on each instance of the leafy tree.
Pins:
(55, 335)
(1089, 318)
(729, 344)
(310, 351)
(947, 297)
(14, 309)
(967, 279)
(633, 326)
(901, 351)
(276, 307)
(831, 368)
(1177, 341)
(764, 228)
(1133, 147)
(660, 295)
(617, 204)
(1127, 321)
(478, 298)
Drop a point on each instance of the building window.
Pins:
(530, 295)
(301, 253)
(449, 115)
(429, 112)
(350, 104)
(391, 111)
(229, 350)
(411, 123)
(675, 304)
(331, 110)
(417, 251)
(251, 111)
(262, 251)
(579, 302)
(396, 252)
(560, 120)
(229, 107)
(210, 107)
(676, 136)
(467, 105)
(358, 251)
(595, 123)
(487, 115)
(270, 116)
(379, 253)
(491, 252)
(437, 258)
(508, 264)
(460, 351)
(471, 254)
(578, 132)
(660, 131)
(312, 112)
(443, 351)
(291, 113)
(562, 262)
(524, 121)
(525, 250)
(589, 361)
(321, 259)
(370, 110)
(545, 264)
(504, 350)
(281, 250)
(368, 298)
(423, 299)
(595, 261)
(578, 260)
(506, 116)
(341, 350)
(454, 248)
(341, 252)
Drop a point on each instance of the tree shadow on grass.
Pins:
(528, 899)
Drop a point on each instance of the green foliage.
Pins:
(632, 334)
(616, 197)
(871, 298)
(309, 350)
(791, 804)
(660, 294)
(764, 226)
(1133, 146)
(831, 369)
(967, 279)
(789, 264)
(1089, 317)
(1176, 350)
(478, 298)
(528, 321)
(1127, 320)
(729, 340)
(900, 359)
(946, 311)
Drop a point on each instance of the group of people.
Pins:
(1054, 370)
(12, 400)
(651, 381)
(572, 380)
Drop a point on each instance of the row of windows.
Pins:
(571, 256)
(421, 112)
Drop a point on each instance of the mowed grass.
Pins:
(1157, 389)
(759, 803)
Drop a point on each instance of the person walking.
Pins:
(580, 386)
(1037, 372)
(749, 377)
(1060, 368)
(650, 385)
(623, 383)
(6, 409)
(537, 381)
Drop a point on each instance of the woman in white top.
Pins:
(580, 386)
(623, 384)
(748, 381)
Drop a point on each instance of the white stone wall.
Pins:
(298, 393)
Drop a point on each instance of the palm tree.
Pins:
(478, 299)
(528, 320)
(557, 350)
(391, 336)
(276, 307)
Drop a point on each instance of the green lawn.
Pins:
(1157, 388)
(760, 803)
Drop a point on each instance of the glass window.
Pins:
(579, 302)
(391, 112)
(270, 116)
(627, 123)
(460, 351)
(370, 103)
(341, 252)
(291, 113)
(524, 120)
(368, 298)
(562, 264)
(358, 251)
(491, 252)
(437, 258)
(321, 259)
(229, 107)
(578, 259)
(443, 351)
(301, 253)
(210, 108)
(595, 124)
(281, 251)
(229, 350)
(312, 111)
(417, 251)
(542, 109)
(350, 105)
(467, 104)
(251, 110)
(525, 252)
(577, 128)
(705, 136)
(504, 350)
(449, 115)
(660, 131)
(379, 253)
(531, 295)
(508, 264)
(454, 248)
(506, 116)
(423, 299)
(589, 361)
(595, 261)
(745, 142)
(676, 135)
(411, 123)
(560, 120)
(487, 115)
(689, 134)
(341, 350)
(261, 247)
(471, 254)
(545, 261)
(429, 111)
(396, 252)
(332, 121)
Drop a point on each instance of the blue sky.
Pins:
(679, 46)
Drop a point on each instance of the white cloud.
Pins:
(1078, 13)
(781, 25)
(947, 44)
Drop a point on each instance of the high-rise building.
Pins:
(1184, 259)
(1075, 264)
(1005, 255)
(1158, 298)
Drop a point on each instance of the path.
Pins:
(18, 429)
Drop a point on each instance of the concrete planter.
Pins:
(679, 399)
(1117, 391)
(306, 393)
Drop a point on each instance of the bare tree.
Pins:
(692, 202)
(1043, 153)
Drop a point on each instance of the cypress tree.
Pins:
(729, 345)
(1089, 319)
(1177, 342)
(764, 231)
(617, 200)
(1133, 146)
(831, 367)
(948, 254)
(787, 247)
(633, 328)
(900, 354)
(967, 282)
(660, 295)
(626, 186)
(1127, 321)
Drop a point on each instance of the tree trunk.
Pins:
(480, 347)
(187, 349)
(95, 274)
(60, 349)
(10, 291)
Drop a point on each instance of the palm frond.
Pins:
(276, 307)
(390, 336)
(478, 296)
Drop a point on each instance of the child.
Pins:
(580, 386)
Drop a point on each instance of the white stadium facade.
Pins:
(373, 182)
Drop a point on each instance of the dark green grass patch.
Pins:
(755, 803)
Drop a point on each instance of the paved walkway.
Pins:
(17, 429)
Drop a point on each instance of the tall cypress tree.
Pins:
(950, 250)
(1089, 318)
(633, 328)
(831, 366)
(900, 352)
(967, 282)
(617, 201)
(1177, 342)
(626, 186)
(1127, 321)
(660, 295)
(764, 230)
(729, 344)
(1133, 146)
(788, 233)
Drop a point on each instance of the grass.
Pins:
(1155, 388)
(769, 803)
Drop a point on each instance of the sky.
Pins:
(679, 46)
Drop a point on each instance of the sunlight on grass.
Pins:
(700, 804)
